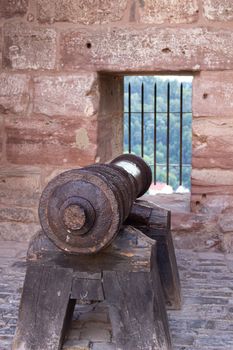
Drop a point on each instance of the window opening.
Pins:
(158, 127)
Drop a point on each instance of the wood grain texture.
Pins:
(43, 308)
(155, 222)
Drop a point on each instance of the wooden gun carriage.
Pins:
(99, 243)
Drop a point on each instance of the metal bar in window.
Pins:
(168, 130)
(129, 118)
(159, 112)
(142, 120)
(181, 132)
(155, 131)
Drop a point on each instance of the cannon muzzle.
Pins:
(82, 210)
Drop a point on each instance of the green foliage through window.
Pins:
(160, 144)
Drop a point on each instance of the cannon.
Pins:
(99, 243)
(82, 210)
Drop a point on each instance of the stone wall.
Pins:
(61, 94)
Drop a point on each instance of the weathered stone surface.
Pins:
(11, 8)
(2, 139)
(199, 189)
(51, 172)
(218, 10)
(20, 178)
(226, 223)
(212, 142)
(212, 181)
(82, 139)
(0, 47)
(68, 95)
(18, 214)
(110, 125)
(176, 202)
(15, 231)
(212, 177)
(197, 236)
(23, 198)
(80, 11)
(213, 93)
(14, 93)
(147, 49)
(212, 204)
(27, 47)
(157, 11)
(54, 141)
(227, 242)
(192, 222)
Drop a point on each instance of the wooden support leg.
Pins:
(154, 222)
(45, 307)
(137, 311)
(167, 266)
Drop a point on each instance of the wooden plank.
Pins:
(167, 265)
(86, 289)
(135, 311)
(43, 308)
(150, 214)
(166, 259)
(125, 253)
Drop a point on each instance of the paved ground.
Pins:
(204, 323)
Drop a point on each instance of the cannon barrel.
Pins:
(82, 210)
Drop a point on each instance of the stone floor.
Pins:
(205, 321)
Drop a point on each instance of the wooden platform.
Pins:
(125, 275)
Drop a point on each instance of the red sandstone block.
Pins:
(227, 242)
(212, 143)
(26, 198)
(213, 93)
(56, 141)
(80, 11)
(16, 231)
(9, 8)
(20, 178)
(52, 172)
(162, 11)
(212, 181)
(2, 139)
(14, 93)
(218, 10)
(110, 124)
(150, 49)
(16, 214)
(68, 95)
(0, 47)
(226, 223)
(212, 177)
(110, 137)
(199, 189)
(192, 231)
(27, 47)
(211, 204)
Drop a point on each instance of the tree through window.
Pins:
(158, 127)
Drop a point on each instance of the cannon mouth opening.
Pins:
(78, 215)
(79, 212)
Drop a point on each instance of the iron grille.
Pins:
(181, 161)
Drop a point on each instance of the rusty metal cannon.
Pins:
(82, 210)
(134, 271)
